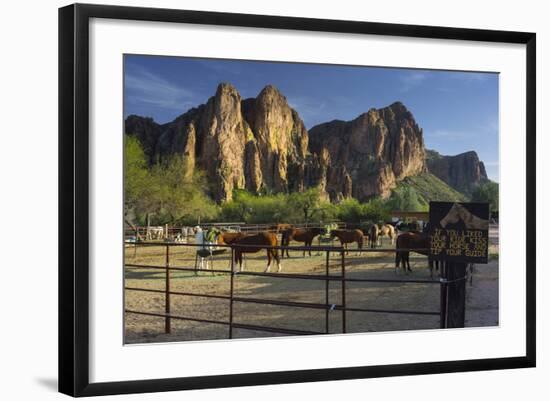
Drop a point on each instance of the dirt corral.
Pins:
(481, 295)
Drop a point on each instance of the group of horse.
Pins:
(243, 243)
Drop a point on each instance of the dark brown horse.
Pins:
(254, 243)
(305, 235)
(374, 231)
(348, 236)
(412, 240)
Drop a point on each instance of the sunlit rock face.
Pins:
(369, 154)
(261, 144)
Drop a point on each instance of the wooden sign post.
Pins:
(459, 235)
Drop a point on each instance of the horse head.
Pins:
(452, 216)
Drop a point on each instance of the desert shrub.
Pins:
(487, 192)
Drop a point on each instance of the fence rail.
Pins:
(327, 277)
(171, 231)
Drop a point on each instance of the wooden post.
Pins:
(167, 328)
(443, 295)
(327, 310)
(455, 295)
(343, 253)
(231, 290)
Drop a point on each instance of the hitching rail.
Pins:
(232, 298)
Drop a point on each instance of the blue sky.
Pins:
(458, 111)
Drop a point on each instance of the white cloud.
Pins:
(308, 108)
(221, 66)
(146, 87)
(448, 134)
(411, 80)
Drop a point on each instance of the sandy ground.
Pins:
(481, 307)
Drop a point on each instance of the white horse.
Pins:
(471, 221)
(155, 232)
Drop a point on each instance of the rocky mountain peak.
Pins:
(463, 172)
(262, 144)
(375, 150)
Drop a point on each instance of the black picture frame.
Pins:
(74, 198)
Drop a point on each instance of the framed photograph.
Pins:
(250, 199)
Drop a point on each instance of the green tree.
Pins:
(179, 192)
(307, 202)
(406, 199)
(487, 192)
(350, 210)
(376, 210)
(137, 178)
(171, 191)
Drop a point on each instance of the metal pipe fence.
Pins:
(172, 231)
(234, 298)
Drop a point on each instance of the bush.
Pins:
(406, 199)
(487, 192)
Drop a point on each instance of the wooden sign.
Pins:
(459, 232)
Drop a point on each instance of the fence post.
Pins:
(231, 284)
(343, 253)
(327, 294)
(443, 295)
(455, 295)
(167, 328)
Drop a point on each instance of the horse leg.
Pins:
(268, 261)
(408, 263)
(235, 259)
(276, 256)
(287, 243)
(241, 261)
(397, 261)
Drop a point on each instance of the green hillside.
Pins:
(430, 188)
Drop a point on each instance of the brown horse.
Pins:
(280, 227)
(348, 236)
(387, 230)
(228, 238)
(373, 235)
(412, 240)
(305, 235)
(254, 243)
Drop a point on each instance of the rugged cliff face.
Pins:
(462, 172)
(261, 144)
(258, 143)
(147, 131)
(370, 154)
(281, 140)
